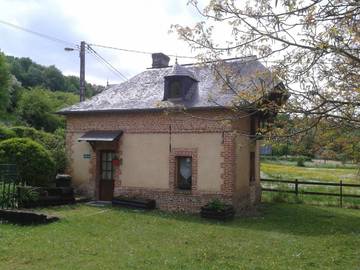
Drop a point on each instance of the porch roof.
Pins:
(101, 136)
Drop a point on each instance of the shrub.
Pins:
(34, 163)
(54, 143)
(27, 194)
(216, 204)
(300, 162)
(6, 133)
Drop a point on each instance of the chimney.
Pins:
(160, 60)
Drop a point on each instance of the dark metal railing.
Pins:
(9, 181)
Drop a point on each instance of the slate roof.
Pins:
(145, 91)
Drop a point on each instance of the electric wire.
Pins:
(106, 63)
(54, 39)
(139, 51)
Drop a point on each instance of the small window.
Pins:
(252, 166)
(175, 89)
(184, 173)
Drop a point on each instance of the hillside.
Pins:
(31, 74)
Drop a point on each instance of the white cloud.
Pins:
(140, 25)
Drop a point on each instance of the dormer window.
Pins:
(175, 89)
(180, 84)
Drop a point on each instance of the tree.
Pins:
(312, 46)
(54, 79)
(37, 108)
(4, 84)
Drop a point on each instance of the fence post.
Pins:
(341, 193)
(296, 188)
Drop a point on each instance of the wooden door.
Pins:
(106, 176)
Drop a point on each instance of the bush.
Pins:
(286, 158)
(34, 163)
(54, 143)
(27, 194)
(216, 204)
(6, 133)
(300, 162)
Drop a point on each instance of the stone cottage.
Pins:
(171, 134)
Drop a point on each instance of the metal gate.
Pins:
(9, 181)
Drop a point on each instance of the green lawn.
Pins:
(283, 236)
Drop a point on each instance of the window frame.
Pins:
(183, 152)
(178, 174)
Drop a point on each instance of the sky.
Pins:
(132, 24)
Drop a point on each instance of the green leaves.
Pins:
(4, 84)
(37, 108)
(34, 163)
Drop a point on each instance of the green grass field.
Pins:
(282, 236)
(289, 171)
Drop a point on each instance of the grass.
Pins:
(292, 172)
(289, 171)
(283, 236)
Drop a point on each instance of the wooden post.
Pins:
(341, 193)
(82, 71)
(296, 188)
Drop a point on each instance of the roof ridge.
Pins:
(249, 57)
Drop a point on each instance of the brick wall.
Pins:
(159, 122)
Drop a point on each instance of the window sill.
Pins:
(182, 191)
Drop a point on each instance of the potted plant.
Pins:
(115, 162)
(217, 209)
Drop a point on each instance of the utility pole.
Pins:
(82, 71)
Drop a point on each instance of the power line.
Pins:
(138, 51)
(54, 39)
(106, 63)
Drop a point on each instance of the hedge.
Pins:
(34, 163)
(52, 142)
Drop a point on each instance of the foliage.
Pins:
(286, 158)
(300, 162)
(34, 163)
(54, 143)
(30, 74)
(311, 46)
(6, 133)
(6, 194)
(15, 91)
(4, 84)
(324, 141)
(216, 204)
(37, 108)
(27, 194)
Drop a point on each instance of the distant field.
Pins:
(289, 171)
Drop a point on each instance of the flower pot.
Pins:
(225, 213)
(115, 162)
